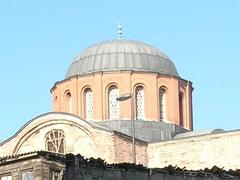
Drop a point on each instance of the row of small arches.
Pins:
(113, 104)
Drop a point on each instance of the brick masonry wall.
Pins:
(199, 152)
(123, 150)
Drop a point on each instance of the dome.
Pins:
(121, 55)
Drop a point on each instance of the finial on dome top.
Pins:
(119, 31)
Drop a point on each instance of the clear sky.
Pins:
(39, 39)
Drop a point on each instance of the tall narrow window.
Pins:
(55, 141)
(139, 97)
(162, 104)
(6, 178)
(113, 104)
(55, 174)
(181, 109)
(69, 102)
(28, 175)
(88, 97)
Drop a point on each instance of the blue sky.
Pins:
(39, 39)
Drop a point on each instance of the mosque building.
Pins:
(124, 101)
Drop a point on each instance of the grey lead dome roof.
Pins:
(121, 55)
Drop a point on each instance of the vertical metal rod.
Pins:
(123, 98)
(133, 130)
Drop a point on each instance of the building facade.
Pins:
(33, 166)
(106, 70)
(154, 125)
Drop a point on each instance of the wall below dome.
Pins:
(126, 82)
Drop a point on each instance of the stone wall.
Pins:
(199, 152)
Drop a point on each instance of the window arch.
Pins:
(55, 141)
(181, 108)
(163, 103)
(68, 102)
(88, 104)
(113, 104)
(139, 104)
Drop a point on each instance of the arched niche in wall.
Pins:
(163, 103)
(88, 103)
(68, 100)
(112, 103)
(182, 106)
(139, 101)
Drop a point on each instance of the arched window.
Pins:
(113, 104)
(139, 97)
(181, 109)
(163, 104)
(88, 104)
(69, 102)
(55, 141)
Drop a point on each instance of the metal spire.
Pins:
(119, 31)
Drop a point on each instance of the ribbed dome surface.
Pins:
(121, 55)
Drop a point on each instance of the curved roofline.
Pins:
(92, 124)
(166, 57)
(121, 40)
(122, 54)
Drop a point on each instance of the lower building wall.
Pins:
(79, 169)
(51, 166)
(117, 174)
(199, 152)
(37, 169)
